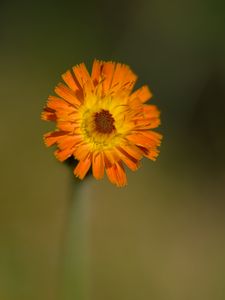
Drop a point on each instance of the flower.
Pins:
(101, 122)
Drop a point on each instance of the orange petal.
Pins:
(107, 73)
(138, 139)
(66, 126)
(111, 157)
(145, 138)
(63, 115)
(119, 75)
(58, 104)
(82, 151)
(133, 151)
(143, 94)
(151, 111)
(148, 119)
(116, 174)
(48, 115)
(152, 154)
(98, 165)
(147, 124)
(69, 141)
(155, 137)
(123, 79)
(111, 174)
(51, 138)
(96, 71)
(67, 94)
(62, 155)
(102, 76)
(130, 161)
(83, 77)
(70, 81)
(120, 174)
(82, 168)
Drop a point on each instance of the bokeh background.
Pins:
(161, 237)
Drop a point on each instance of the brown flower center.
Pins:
(104, 122)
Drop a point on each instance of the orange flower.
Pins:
(101, 123)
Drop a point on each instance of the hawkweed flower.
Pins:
(101, 122)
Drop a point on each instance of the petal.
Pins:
(147, 124)
(116, 174)
(48, 115)
(152, 154)
(143, 94)
(123, 79)
(62, 110)
(96, 71)
(130, 161)
(138, 139)
(83, 77)
(98, 165)
(119, 75)
(151, 111)
(51, 138)
(132, 151)
(58, 104)
(148, 118)
(107, 73)
(66, 125)
(145, 138)
(70, 80)
(69, 141)
(67, 94)
(63, 115)
(111, 175)
(120, 174)
(111, 157)
(155, 137)
(82, 151)
(62, 155)
(82, 168)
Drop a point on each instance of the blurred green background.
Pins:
(161, 237)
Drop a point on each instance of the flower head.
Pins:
(101, 122)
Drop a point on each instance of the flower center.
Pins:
(104, 121)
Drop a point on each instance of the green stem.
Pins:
(74, 245)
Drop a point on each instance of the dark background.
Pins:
(163, 236)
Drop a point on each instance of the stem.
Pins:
(63, 241)
(73, 257)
